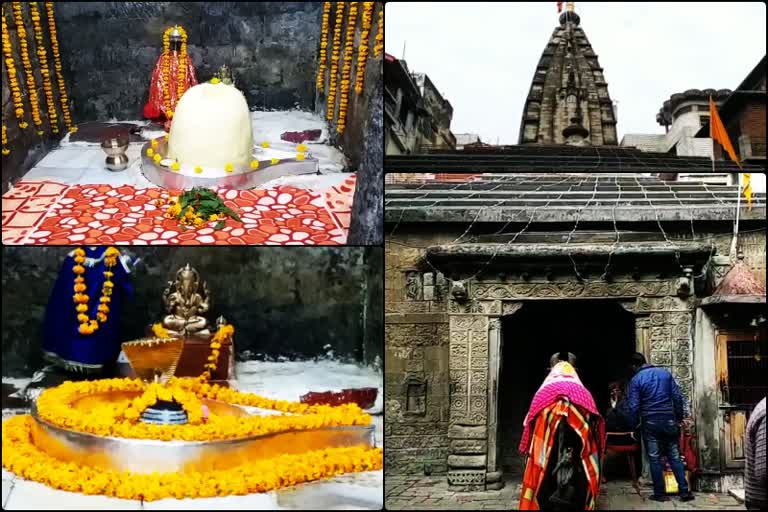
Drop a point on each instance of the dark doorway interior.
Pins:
(601, 334)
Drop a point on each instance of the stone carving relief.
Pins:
(569, 289)
(660, 338)
(478, 382)
(459, 291)
(459, 380)
(661, 358)
(475, 306)
(412, 286)
(510, 308)
(416, 396)
(467, 477)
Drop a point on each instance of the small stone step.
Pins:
(737, 493)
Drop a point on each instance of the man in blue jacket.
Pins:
(655, 400)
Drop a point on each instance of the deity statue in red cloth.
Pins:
(174, 73)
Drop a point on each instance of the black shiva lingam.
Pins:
(154, 360)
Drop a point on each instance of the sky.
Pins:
(482, 56)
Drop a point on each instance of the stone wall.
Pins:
(288, 302)
(109, 50)
(416, 365)
(27, 148)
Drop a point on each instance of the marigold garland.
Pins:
(88, 325)
(335, 60)
(29, 74)
(323, 47)
(182, 71)
(57, 66)
(6, 151)
(13, 82)
(377, 49)
(362, 50)
(349, 45)
(111, 420)
(44, 70)
(23, 458)
(224, 334)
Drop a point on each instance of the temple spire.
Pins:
(568, 101)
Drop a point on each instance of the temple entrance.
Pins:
(600, 332)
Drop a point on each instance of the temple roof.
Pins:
(740, 285)
(568, 82)
(557, 197)
(555, 158)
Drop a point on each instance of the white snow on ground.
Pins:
(279, 380)
(83, 162)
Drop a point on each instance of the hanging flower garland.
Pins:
(44, 70)
(22, 457)
(13, 83)
(335, 60)
(349, 45)
(30, 76)
(224, 333)
(57, 66)
(182, 71)
(87, 325)
(362, 50)
(6, 151)
(377, 49)
(323, 47)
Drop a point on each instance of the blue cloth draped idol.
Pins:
(63, 344)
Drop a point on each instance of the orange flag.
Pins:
(717, 132)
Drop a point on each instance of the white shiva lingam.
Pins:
(210, 144)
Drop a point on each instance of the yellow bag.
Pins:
(670, 482)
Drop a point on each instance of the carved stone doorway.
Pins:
(600, 332)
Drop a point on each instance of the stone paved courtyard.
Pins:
(415, 493)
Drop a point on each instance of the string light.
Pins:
(616, 204)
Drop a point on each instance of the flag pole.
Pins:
(736, 224)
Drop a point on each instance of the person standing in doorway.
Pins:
(755, 480)
(656, 402)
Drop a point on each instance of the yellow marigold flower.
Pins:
(111, 252)
(80, 287)
(175, 166)
(40, 132)
(275, 160)
(78, 269)
(198, 169)
(108, 284)
(150, 151)
(81, 308)
(265, 144)
(82, 318)
(300, 156)
(108, 274)
(105, 300)
(157, 158)
(213, 217)
(154, 143)
(228, 168)
(214, 80)
(84, 329)
(301, 148)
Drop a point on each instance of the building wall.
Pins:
(752, 120)
(423, 341)
(415, 354)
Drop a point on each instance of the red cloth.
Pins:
(561, 381)
(155, 107)
(299, 137)
(688, 451)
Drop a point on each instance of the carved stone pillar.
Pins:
(493, 477)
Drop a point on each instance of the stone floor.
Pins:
(414, 493)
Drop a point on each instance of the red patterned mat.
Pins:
(40, 213)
